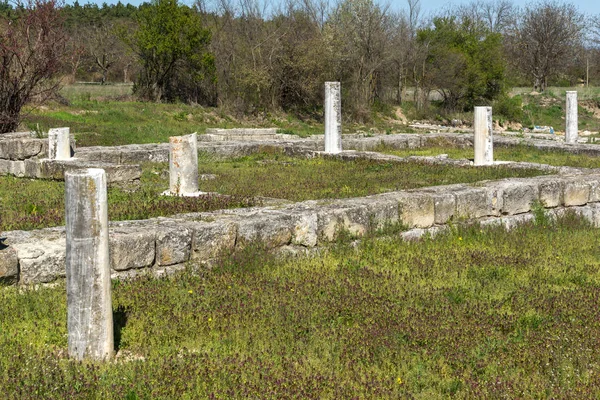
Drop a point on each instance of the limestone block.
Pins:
(17, 168)
(273, 229)
(131, 248)
(173, 243)
(472, 202)
(576, 192)
(5, 167)
(416, 210)
(445, 206)
(342, 215)
(381, 210)
(41, 261)
(305, 228)
(32, 168)
(22, 148)
(551, 192)
(212, 239)
(9, 265)
(514, 196)
(594, 182)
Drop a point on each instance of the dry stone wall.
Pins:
(164, 244)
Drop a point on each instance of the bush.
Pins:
(510, 108)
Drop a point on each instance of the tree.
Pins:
(545, 39)
(32, 46)
(464, 62)
(171, 45)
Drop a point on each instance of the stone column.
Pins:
(333, 118)
(89, 305)
(571, 131)
(483, 141)
(59, 144)
(183, 165)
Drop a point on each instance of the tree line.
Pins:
(249, 56)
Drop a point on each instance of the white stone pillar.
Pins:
(333, 118)
(89, 305)
(183, 165)
(483, 141)
(59, 144)
(571, 131)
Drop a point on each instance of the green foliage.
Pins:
(464, 62)
(172, 47)
(510, 108)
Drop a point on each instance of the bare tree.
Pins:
(32, 47)
(545, 39)
(495, 15)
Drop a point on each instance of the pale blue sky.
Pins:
(587, 7)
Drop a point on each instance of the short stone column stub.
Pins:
(571, 129)
(59, 144)
(483, 141)
(333, 117)
(89, 305)
(183, 166)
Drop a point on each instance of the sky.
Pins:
(587, 7)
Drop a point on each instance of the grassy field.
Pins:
(471, 314)
(513, 153)
(30, 204)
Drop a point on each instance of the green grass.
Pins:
(30, 204)
(513, 153)
(472, 314)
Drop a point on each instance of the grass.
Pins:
(30, 204)
(513, 153)
(108, 116)
(471, 314)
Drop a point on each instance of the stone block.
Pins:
(22, 148)
(41, 261)
(305, 228)
(272, 229)
(576, 192)
(5, 167)
(32, 168)
(212, 239)
(551, 192)
(131, 248)
(445, 206)
(9, 266)
(173, 243)
(472, 202)
(517, 197)
(17, 168)
(594, 182)
(416, 210)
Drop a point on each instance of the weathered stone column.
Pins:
(183, 165)
(59, 144)
(571, 131)
(483, 141)
(333, 117)
(89, 305)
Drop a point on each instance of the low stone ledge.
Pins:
(22, 148)
(159, 243)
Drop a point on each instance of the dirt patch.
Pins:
(591, 106)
